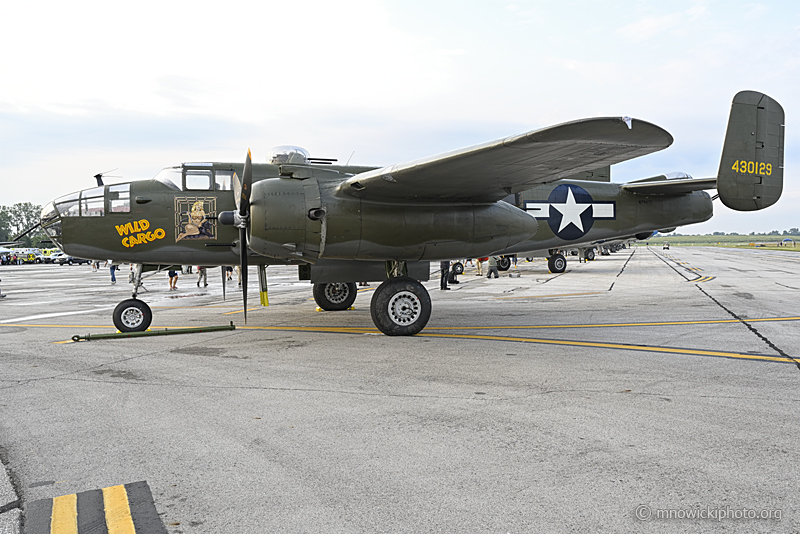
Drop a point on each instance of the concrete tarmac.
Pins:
(646, 391)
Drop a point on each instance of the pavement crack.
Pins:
(11, 506)
(750, 327)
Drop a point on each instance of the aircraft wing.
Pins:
(494, 170)
(671, 187)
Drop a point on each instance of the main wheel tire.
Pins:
(458, 267)
(504, 263)
(400, 306)
(335, 296)
(132, 315)
(590, 254)
(557, 263)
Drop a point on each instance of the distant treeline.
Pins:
(15, 219)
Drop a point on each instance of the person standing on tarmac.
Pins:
(2, 296)
(445, 272)
(113, 276)
(493, 267)
(202, 276)
(173, 279)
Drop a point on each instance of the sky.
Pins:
(90, 86)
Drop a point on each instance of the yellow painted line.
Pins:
(549, 296)
(64, 519)
(643, 348)
(59, 325)
(118, 511)
(605, 325)
(322, 329)
(240, 311)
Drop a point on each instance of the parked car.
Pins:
(70, 260)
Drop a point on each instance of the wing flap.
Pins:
(493, 170)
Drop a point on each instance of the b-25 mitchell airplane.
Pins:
(342, 224)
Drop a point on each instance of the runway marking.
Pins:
(549, 296)
(642, 348)
(123, 509)
(562, 342)
(59, 314)
(703, 279)
(118, 511)
(604, 325)
(242, 311)
(64, 519)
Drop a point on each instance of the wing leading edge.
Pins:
(490, 171)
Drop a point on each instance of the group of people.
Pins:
(10, 259)
(448, 276)
(202, 276)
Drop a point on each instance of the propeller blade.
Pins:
(224, 276)
(241, 194)
(243, 249)
(247, 182)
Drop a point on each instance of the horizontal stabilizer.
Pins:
(663, 186)
(751, 168)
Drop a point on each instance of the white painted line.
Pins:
(61, 314)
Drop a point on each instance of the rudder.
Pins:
(750, 173)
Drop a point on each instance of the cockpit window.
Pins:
(48, 213)
(287, 154)
(93, 202)
(171, 177)
(198, 180)
(67, 206)
(224, 180)
(119, 198)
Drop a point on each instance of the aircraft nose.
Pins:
(50, 221)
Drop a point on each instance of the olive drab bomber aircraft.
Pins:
(543, 190)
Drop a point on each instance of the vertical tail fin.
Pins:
(750, 173)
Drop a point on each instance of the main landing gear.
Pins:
(557, 263)
(335, 296)
(400, 306)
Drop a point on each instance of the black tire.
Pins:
(557, 263)
(70, 262)
(132, 315)
(335, 296)
(504, 263)
(590, 254)
(400, 306)
(458, 268)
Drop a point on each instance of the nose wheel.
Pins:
(400, 306)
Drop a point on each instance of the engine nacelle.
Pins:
(290, 221)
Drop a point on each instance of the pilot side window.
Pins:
(198, 180)
(93, 202)
(224, 180)
(67, 206)
(119, 198)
